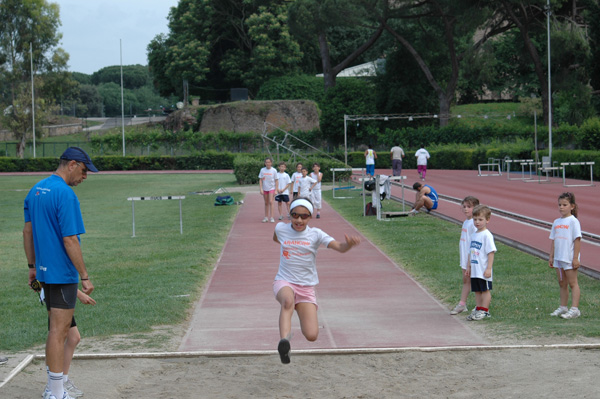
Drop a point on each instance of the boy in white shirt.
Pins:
(283, 189)
(305, 184)
(464, 249)
(482, 261)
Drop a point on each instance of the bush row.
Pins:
(247, 166)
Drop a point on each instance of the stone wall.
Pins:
(250, 116)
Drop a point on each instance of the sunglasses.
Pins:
(302, 216)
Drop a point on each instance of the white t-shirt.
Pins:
(304, 186)
(370, 157)
(482, 244)
(464, 245)
(422, 156)
(296, 176)
(268, 177)
(297, 261)
(564, 232)
(283, 179)
(314, 176)
(397, 153)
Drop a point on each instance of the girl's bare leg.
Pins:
(309, 324)
(564, 287)
(571, 281)
(285, 297)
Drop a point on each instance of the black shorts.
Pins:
(282, 198)
(61, 296)
(480, 285)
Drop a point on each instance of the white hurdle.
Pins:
(168, 197)
(333, 170)
(590, 164)
(508, 163)
(488, 167)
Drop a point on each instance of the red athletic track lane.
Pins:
(365, 300)
(532, 199)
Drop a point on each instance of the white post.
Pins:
(32, 95)
(549, 12)
(345, 141)
(122, 100)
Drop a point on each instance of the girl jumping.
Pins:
(294, 285)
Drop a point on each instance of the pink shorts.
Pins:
(302, 293)
(265, 192)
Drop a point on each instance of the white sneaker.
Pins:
(72, 389)
(459, 309)
(272, 220)
(559, 311)
(65, 396)
(571, 314)
(265, 220)
(480, 315)
(280, 217)
(47, 393)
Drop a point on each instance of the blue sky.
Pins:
(92, 28)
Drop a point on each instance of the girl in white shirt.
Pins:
(564, 255)
(294, 285)
(267, 182)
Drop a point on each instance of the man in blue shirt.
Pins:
(426, 197)
(53, 224)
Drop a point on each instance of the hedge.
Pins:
(247, 166)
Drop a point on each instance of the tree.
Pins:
(444, 31)
(26, 24)
(316, 19)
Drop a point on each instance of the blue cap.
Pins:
(78, 155)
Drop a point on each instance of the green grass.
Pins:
(146, 281)
(153, 280)
(525, 289)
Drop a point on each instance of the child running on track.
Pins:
(564, 255)
(464, 248)
(306, 184)
(267, 183)
(481, 263)
(294, 285)
(316, 191)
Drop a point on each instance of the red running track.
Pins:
(532, 199)
(365, 299)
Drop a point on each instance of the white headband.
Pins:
(304, 203)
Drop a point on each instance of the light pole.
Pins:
(548, 13)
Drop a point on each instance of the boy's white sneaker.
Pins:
(280, 217)
(272, 220)
(72, 389)
(571, 314)
(265, 220)
(560, 311)
(459, 309)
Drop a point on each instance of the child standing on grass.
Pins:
(294, 285)
(481, 263)
(464, 248)
(283, 190)
(267, 181)
(296, 176)
(564, 255)
(305, 184)
(316, 191)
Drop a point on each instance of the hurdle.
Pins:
(488, 167)
(508, 164)
(333, 170)
(168, 197)
(530, 164)
(590, 164)
(377, 198)
(546, 168)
